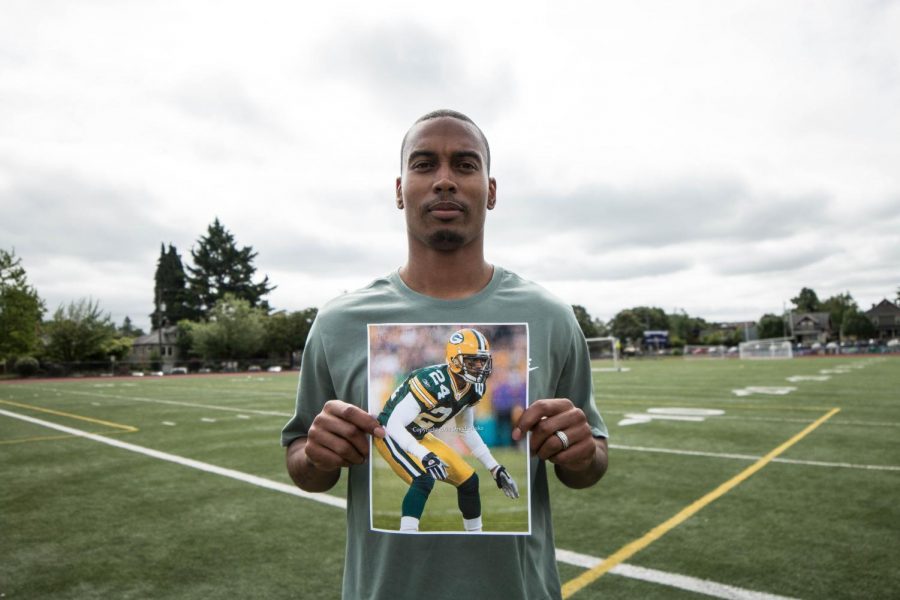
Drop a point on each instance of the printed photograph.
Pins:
(447, 396)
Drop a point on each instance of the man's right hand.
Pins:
(336, 438)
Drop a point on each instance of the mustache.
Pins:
(445, 201)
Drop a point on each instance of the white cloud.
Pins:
(708, 156)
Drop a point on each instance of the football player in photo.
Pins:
(427, 399)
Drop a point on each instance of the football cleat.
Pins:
(435, 466)
(506, 483)
(469, 355)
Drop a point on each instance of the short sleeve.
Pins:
(576, 383)
(314, 390)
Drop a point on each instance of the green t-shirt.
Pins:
(393, 565)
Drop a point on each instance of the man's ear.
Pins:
(399, 193)
(492, 193)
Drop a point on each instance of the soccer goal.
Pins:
(773, 348)
(604, 352)
(705, 351)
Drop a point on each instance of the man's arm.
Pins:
(337, 438)
(584, 461)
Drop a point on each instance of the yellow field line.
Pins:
(628, 550)
(127, 428)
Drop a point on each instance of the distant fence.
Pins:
(108, 368)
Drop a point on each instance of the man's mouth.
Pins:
(445, 209)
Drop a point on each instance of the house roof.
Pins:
(885, 307)
(821, 319)
(169, 336)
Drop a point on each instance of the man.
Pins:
(445, 190)
(428, 398)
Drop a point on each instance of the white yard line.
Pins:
(811, 463)
(693, 584)
(700, 586)
(270, 413)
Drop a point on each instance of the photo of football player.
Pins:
(426, 401)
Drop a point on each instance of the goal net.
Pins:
(705, 351)
(604, 352)
(773, 348)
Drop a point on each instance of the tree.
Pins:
(21, 309)
(770, 326)
(235, 329)
(287, 332)
(839, 307)
(81, 332)
(631, 323)
(170, 292)
(128, 330)
(807, 301)
(587, 324)
(221, 268)
(685, 329)
(856, 324)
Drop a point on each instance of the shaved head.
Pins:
(446, 112)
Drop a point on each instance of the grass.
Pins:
(80, 519)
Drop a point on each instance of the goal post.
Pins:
(768, 349)
(604, 348)
(693, 351)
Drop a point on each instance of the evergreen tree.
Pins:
(807, 301)
(221, 268)
(170, 293)
(128, 329)
(21, 309)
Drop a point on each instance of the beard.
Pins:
(446, 240)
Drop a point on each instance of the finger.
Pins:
(552, 444)
(355, 415)
(322, 458)
(337, 445)
(537, 411)
(571, 420)
(577, 456)
(343, 429)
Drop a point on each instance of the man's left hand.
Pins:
(574, 450)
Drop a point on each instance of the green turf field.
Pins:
(80, 518)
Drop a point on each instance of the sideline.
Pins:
(628, 550)
(702, 586)
(788, 461)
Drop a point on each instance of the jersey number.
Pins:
(430, 419)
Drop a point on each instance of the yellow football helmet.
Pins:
(469, 355)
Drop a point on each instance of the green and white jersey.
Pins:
(438, 396)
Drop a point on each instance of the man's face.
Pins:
(444, 186)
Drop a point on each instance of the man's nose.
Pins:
(444, 180)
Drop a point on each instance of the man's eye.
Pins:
(468, 166)
(421, 165)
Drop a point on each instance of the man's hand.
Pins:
(505, 482)
(337, 438)
(435, 466)
(580, 459)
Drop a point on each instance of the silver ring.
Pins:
(563, 438)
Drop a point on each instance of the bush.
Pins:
(26, 366)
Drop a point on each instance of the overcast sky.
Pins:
(713, 157)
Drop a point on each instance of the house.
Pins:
(162, 343)
(811, 327)
(885, 316)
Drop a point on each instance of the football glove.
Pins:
(435, 467)
(506, 483)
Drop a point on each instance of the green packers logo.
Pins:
(456, 338)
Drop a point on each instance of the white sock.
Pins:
(472, 524)
(409, 524)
